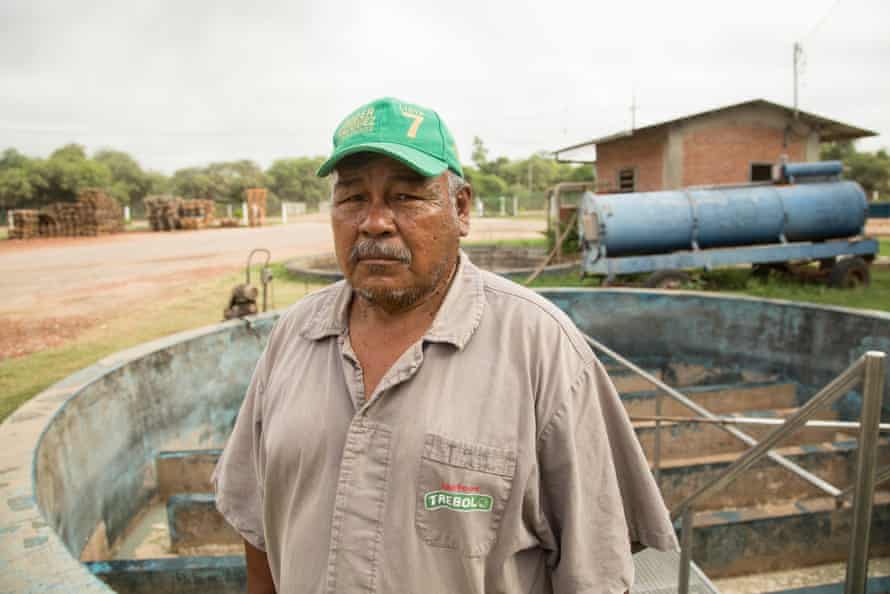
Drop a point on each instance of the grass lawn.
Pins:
(740, 281)
(200, 305)
(885, 247)
(537, 242)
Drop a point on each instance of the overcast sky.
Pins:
(183, 83)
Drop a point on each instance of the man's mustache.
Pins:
(376, 250)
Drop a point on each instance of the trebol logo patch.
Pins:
(457, 498)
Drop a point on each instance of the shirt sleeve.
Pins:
(597, 492)
(237, 478)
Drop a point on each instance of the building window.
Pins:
(761, 172)
(627, 179)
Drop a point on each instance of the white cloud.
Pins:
(185, 83)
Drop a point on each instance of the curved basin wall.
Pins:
(93, 463)
(95, 460)
(807, 343)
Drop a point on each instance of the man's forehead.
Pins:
(355, 166)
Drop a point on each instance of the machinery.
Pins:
(243, 301)
(806, 215)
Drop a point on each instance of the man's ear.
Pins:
(463, 203)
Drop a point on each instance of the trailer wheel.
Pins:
(666, 279)
(849, 273)
(763, 271)
(827, 263)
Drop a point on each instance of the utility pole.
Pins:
(798, 52)
(633, 110)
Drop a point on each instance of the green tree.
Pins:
(194, 182)
(12, 159)
(128, 182)
(543, 172)
(870, 170)
(501, 167)
(15, 187)
(156, 183)
(67, 172)
(223, 182)
(233, 177)
(295, 180)
(580, 173)
(480, 153)
(18, 183)
(485, 185)
(71, 152)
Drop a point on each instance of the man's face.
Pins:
(396, 233)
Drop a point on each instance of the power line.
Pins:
(821, 20)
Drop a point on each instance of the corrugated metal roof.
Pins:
(829, 130)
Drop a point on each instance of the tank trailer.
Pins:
(807, 214)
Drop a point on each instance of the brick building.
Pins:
(734, 144)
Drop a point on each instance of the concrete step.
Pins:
(193, 522)
(655, 571)
(690, 374)
(183, 575)
(813, 579)
(627, 381)
(185, 471)
(874, 585)
(766, 482)
(678, 438)
(801, 533)
(681, 374)
(719, 399)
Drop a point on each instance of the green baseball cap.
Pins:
(407, 132)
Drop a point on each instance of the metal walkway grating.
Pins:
(656, 573)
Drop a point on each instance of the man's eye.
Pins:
(405, 197)
(351, 198)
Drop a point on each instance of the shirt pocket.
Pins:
(462, 491)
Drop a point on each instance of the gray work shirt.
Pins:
(493, 457)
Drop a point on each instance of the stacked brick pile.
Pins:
(25, 224)
(197, 214)
(256, 207)
(65, 217)
(47, 225)
(94, 213)
(166, 213)
(99, 213)
(162, 212)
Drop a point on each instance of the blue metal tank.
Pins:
(660, 222)
(817, 169)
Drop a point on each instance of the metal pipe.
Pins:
(883, 427)
(834, 390)
(656, 447)
(863, 500)
(881, 476)
(701, 411)
(685, 551)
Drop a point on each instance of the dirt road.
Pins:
(53, 289)
(57, 287)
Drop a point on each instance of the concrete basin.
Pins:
(78, 460)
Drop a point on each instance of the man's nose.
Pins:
(378, 220)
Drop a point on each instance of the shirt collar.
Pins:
(455, 322)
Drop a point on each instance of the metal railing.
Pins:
(703, 412)
(869, 371)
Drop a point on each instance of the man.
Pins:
(426, 427)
